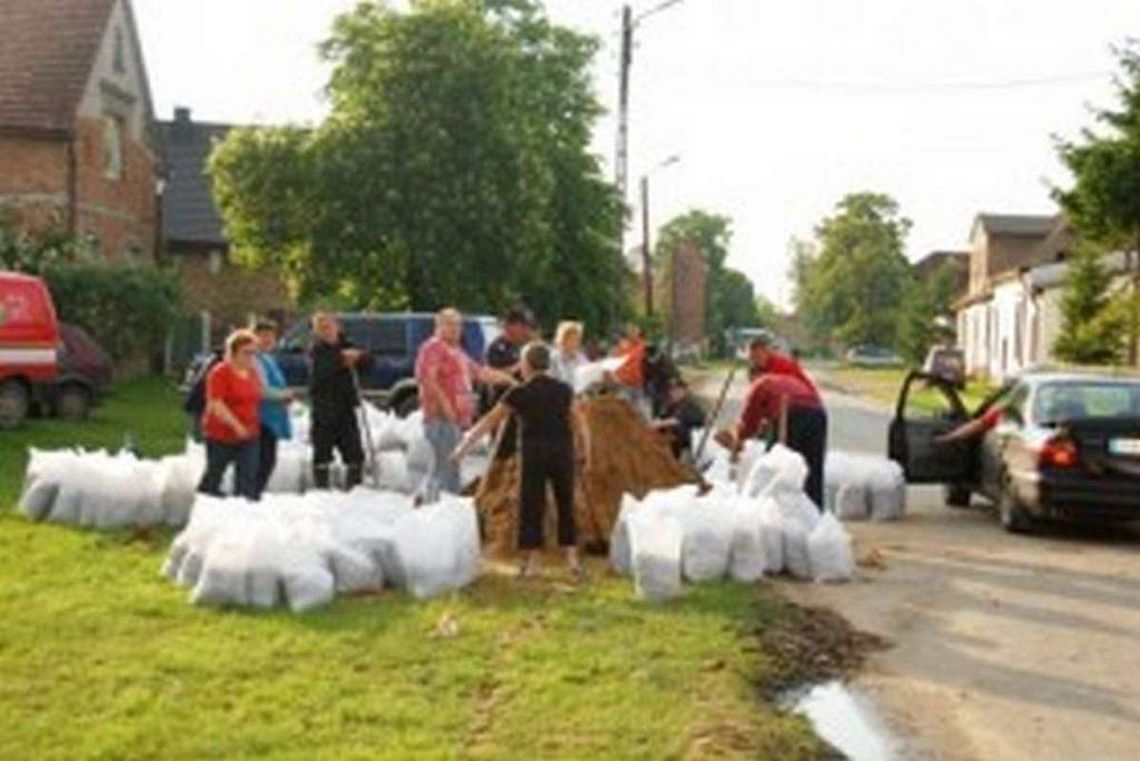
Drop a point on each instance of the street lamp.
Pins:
(629, 22)
(647, 270)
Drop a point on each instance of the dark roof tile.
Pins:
(188, 211)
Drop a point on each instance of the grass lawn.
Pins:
(102, 658)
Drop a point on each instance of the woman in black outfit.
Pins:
(550, 427)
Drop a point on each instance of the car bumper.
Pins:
(1080, 496)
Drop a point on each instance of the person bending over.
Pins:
(551, 432)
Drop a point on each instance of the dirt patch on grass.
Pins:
(812, 645)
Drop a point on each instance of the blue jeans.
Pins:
(443, 436)
(244, 457)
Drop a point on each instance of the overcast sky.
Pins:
(776, 108)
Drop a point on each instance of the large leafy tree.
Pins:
(925, 311)
(1090, 330)
(454, 167)
(852, 286)
(1104, 202)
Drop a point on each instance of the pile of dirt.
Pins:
(628, 456)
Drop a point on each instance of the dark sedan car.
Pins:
(1059, 446)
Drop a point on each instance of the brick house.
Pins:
(931, 264)
(1000, 328)
(195, 240)
(77, 144)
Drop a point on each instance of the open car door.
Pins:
(928, 406)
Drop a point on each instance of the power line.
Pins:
(919, 87)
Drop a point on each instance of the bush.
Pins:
(127, 308)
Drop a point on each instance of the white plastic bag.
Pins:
(42, 480)
(436, 548)
(778, 469)
(180, 477)
(708, 531)
(620, 557)
(851, 502)
(799, 517)
(593, 373)
(887, 487)
(747, 561)
(771, 534)
(829, 548)
(655, 546)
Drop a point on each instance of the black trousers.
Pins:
(341, 433)
(267, 459)
(807, 434)
(219, 456)
(543, 464)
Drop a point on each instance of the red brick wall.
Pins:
(33, 180)
(121, 213)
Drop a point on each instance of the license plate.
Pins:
(1129, 447)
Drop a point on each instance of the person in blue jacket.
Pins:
(275, 400)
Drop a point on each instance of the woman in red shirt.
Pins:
(231, 423)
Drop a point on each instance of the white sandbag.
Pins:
(620, 558)
(852, 502)
(747, 561)
(829, 548)
(592, 373)
(420, 464)
(394, 471)
(180, 477)
(799, 516)
(436, 548)
(708, 530)
(189, 548)
(836, 473)
(746, 460)
(150, 476)
(42, 479)
(307, 581)
(289, 473)
(779, 468)
(264, 560)
(771, 534)
(655, 546)
(887, 488)
(222, 581)
(73, 504)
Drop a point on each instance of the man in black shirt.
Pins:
(550, 428)
(332, 393)
(503, 354)
(680, 416)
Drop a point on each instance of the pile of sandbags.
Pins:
(858, 487)
(766, 526)
(100, 490)
(301, 551)
(628, 457)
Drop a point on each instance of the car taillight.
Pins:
(1059, 452)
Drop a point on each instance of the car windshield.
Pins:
(1078, 400)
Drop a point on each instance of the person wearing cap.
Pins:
(768, 398)
(680, 417)
(503, 355)
(552, 434)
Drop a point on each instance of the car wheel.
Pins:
(14, 404)
(73, 403)
(956, 495)
(407, 405)
(1013, 516)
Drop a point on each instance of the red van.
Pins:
(29, 345)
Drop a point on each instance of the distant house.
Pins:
(995, 324)
(195, 240)
(77, 145)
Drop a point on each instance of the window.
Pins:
(1077, 400)
(120, 59)
(388, 337)
(112, 148)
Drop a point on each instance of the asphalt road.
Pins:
(1003, 647)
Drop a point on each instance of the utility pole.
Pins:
(647, 271)
(621, 159)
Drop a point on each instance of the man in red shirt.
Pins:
(765, 359)
(768, 397)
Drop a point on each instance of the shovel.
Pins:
(374, 462)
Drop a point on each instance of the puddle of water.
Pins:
(845, 719)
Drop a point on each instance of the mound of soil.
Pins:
(628, 457)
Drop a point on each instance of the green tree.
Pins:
(926, 304)
(766, 312)
(853, 288)
(1090, 332)
(1104, 202)
(454, 167)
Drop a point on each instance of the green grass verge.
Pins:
(884, 384)
(102, 658)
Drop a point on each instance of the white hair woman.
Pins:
(567, 356)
